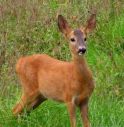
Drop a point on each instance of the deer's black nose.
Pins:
(82, 50)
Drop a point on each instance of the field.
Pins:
(29, 27)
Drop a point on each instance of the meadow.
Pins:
(30, 26)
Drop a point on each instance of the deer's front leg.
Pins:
(84, 112)
(72, 113)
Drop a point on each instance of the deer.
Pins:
(43, 77)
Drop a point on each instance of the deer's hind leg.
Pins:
(28, 102)
(31, 97)
(20, 106)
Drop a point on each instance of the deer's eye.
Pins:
(72, 39)
(85, 39)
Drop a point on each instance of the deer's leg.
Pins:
(36, 102)
(20, 106)
(72, 113)
(84, 112)
(28, 102)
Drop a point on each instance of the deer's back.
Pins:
(42, 72)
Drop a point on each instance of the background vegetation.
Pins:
(29, 27)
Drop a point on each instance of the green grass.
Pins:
(30, 27)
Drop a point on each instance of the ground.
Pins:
(29, 27)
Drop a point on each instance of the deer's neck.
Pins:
(81, 67)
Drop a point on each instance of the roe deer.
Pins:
(43, 77)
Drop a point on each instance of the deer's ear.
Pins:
(63, 25)
(91, 23)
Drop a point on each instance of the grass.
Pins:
(27, 29)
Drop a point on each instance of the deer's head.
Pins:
(77, 37)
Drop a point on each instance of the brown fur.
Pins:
(43, 77)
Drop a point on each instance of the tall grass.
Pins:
(29, 27)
